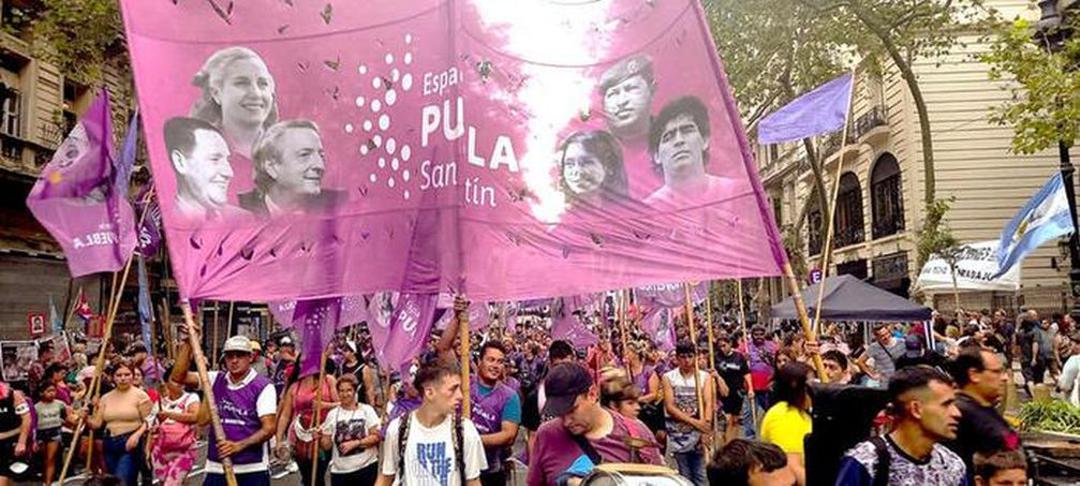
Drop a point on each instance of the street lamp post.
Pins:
(1052, 35)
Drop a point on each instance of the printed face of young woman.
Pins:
(246, 94)
(582, 170)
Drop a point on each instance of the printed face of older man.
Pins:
(301, 165)
(627, 104)
(205, 173)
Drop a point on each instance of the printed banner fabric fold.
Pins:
(401, 327)
(822, 110)
(466, 147)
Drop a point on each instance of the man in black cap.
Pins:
(584, 434)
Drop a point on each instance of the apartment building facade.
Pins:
(880, 202)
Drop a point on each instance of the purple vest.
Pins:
(642, 379)
(487, 417)
(239, 417)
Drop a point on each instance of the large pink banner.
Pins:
(503, 149)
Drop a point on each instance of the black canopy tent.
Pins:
(849, 299)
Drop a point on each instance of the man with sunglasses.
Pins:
(980, 376)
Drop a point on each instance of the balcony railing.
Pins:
(849, 235)
(870, 120)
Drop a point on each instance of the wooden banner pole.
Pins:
(804, 319)
(709, 322)
(621, 316)
(827, 251)
(214, 335)
(99, 367)
(208, 390)
(466, 358)
(746, 339)
(316, 418)
(697, 379)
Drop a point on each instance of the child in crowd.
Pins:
(1005, 468)
(52, 415)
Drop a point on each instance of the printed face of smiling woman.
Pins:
(582, 170)
(246, 93)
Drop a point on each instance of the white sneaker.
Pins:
(292, 467)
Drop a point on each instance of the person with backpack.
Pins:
(433, 444)
(923, 405)
(173, 446)
(583, 434)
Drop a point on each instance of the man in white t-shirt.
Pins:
(434, 445)
(247, 405)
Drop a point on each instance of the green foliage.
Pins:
(80, 36)
(936, 238)
(1044, 106)
(794, 245)
(1050, 416)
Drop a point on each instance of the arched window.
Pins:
(886, 197)
(849, 212)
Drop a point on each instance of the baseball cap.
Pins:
(255, 346)
(563, 385)
(285, 341)
(238, 344)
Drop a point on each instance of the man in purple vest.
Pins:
(496, 412)
(247, 405)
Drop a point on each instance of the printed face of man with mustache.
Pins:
(627, 106)
(300, 165)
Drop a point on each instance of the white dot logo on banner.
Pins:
(406, 194)
(395, 75)
(408, 58)
(390, 182)
(391, 145)
(359, 101)
(376, 82)
(394, 164)
(363, 149)
(382, 163)
(406, 152)
(374, 178)
(377, 140)
(384, 122)
(349, 128)
(406, 82)
(367, 125)
(376, 105)
(362, 69)
(389, 58)
(391, 97)
(405, 175)
(408, 38)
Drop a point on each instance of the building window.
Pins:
(10, 112)
(886, 197)
(849, 212)
(777, 208)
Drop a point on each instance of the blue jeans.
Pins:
(120, 462)
(691, 466)
(261, 478)
(762, 400)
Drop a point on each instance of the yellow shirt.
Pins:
(786, 426)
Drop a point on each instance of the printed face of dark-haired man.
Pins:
(200, 158)
(679, 143)
(627, 89)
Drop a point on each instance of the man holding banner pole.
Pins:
(247, 410)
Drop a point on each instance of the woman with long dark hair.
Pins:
(787, 423)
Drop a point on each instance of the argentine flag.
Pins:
(1045, 217)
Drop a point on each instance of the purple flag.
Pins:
(77, 197)
(148, 213)
(820, 111)
(317, 319)
(146, 311)
(670, 295)
(401, 326)
(657, 324)
(567, 325)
